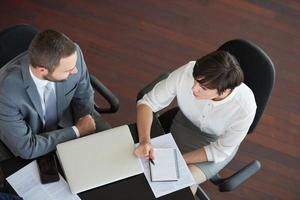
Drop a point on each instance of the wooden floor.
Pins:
(128, 43)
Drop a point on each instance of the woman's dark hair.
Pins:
(48, 47)
(218, 70)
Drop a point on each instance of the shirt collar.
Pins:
(228, 98)
(38, 82)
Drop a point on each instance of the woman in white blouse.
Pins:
(216, 110)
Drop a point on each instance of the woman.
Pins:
(216, 110)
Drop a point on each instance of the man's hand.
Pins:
(144, 150)
(86, 125)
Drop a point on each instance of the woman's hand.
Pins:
(144, 150)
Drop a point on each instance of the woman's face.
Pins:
(201, 92)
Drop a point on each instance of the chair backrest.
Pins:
(259, 72)
(15, 40)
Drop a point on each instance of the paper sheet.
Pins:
(162, 188)
(26, 182)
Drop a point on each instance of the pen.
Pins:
(152, 161)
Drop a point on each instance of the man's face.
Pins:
(65, 68)
(201, 92)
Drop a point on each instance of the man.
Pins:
(215, 112)
(46, 97)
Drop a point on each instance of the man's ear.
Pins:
(42, 70)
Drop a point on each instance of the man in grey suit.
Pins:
(46, 97)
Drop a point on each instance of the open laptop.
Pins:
(99, 159)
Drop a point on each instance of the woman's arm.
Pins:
(144, 121)
(195, 156)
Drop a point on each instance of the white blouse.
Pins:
(229, 118)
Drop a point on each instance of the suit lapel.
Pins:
(60, 98)
(35, 99)
(64, 112)
(31, 89)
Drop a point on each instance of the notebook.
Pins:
(165, 165)
(99, 159)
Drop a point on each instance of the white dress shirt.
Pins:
(40, 85)
(229, 118)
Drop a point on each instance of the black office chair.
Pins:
(259, 75)
(15, 40)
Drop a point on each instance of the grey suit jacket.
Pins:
(21, 114)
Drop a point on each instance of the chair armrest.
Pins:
(149, 87)
(230, 183)
(107, 94)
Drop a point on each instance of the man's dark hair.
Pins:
(48, 47)
(218, 70)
